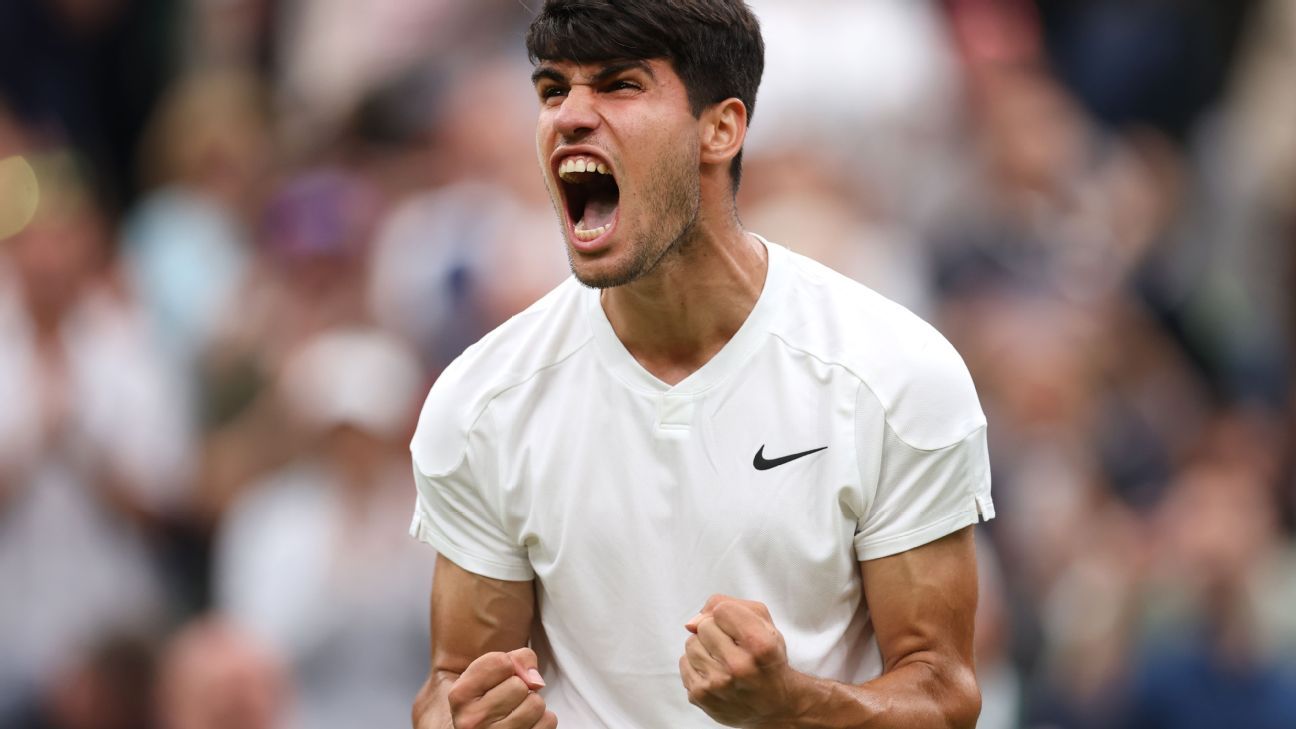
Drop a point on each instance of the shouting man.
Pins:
(707, 480)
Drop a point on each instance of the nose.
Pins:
(578, 115)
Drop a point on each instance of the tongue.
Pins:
(600, 208)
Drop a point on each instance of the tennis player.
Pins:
(706, 480)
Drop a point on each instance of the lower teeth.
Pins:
(588, 235)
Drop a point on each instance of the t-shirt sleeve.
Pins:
(925, 458)
(457, 509)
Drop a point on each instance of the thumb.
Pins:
(526, 666)
(692, 625)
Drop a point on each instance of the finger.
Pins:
(527, 667)
(749, 625)
(494, 705)
(701, 660)
(482, 675)
(742, 620)
(694, 683)
(711, 603)
(721, 645)
(529, 712)
(548, 721)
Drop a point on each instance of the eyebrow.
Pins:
(608, 71)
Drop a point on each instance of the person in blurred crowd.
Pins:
(308, 279)
(215, 675)
(94, 453)
(593, 470)
(110, 686)
(313, 556)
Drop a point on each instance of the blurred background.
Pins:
(240, 238)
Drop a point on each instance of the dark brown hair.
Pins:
(714, 45)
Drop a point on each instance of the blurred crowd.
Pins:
(240, 238)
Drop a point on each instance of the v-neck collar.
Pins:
(731, 356)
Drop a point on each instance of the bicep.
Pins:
(473, 615)
(922, 602)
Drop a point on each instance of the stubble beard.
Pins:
(673, 195)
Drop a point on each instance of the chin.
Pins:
(607, 270)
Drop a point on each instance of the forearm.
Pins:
(431, 706)
(915, 695)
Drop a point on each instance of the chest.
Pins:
(759, 475)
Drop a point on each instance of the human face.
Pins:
(619, 146)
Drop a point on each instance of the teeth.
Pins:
(581, 165)
(589, 235)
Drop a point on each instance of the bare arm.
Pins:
(473, 618)
(922, 603)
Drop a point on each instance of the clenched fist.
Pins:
(735, 664)
(498, 691)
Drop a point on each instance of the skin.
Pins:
(735, 665)
(481, 665)
(679, 275)
(686, 273)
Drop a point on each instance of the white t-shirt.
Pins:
(547, 451)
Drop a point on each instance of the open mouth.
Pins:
(591, 195)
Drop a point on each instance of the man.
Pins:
(712, 416)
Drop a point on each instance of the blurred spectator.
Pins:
(308, 278)
(93, 442)
(451, 262)
(314, 556)
(214, 675)
(110, 687)
(1205, 664)
(1096, 202)
(187, 243)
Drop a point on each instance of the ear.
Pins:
(724, 129)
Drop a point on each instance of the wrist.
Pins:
(800, 692)
(818, 703)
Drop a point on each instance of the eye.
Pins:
(624, 85)
(551, 92)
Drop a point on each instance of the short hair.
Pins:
(715, 46)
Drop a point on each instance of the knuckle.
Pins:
(460, 693)
(697, 695)
(725, 609)
(525, 655)
(743, 668)
(469, 718)
(531, 709)
(762, 648)
(516, 686)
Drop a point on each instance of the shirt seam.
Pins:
(481, 412)
(885, 410)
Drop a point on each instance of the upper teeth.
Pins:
(574, 165)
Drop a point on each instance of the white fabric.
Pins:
(547, 451)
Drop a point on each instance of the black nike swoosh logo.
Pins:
(762, 464)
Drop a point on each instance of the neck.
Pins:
(677, 317)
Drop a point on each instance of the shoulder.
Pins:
(542, 336)
(912, 373)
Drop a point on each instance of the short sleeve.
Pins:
(923, 495)
(923, 457)
(457, 507)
